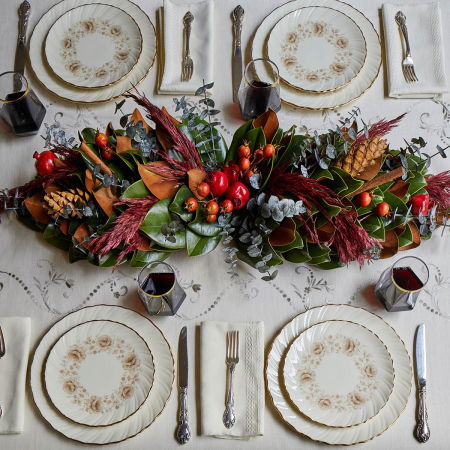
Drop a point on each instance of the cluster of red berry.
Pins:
(101, 140)
(229, 182)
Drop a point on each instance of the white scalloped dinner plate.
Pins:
(99, 373)
(149, 411)
(339, 436)
(51, 82)
(327, 100)
(93, 46)
(317, 49)
(338, 373)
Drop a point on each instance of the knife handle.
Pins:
(238, 15)
(423, 430)
(24, 15)
(183, 433)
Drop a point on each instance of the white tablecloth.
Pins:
(36, 279)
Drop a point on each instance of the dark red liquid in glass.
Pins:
(158, 283)
(407, 279)
(258, 98)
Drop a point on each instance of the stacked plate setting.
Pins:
(339, 375)
(327, 52)
(89, 51)
(102, 374)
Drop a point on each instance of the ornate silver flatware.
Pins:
(2, 354)
(183, 433)
(229, 417)
(21, 52)
(188, 64)
(423, 430)
(238, 16)
(408, 63)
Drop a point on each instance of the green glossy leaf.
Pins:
(28, 220)
(141, 258)
(372, 223)
(296, 243)
(352, 183)
(255, 138)
(178, 204)
(317, 251)
(333, 263)
(292, 150)
(76, 255)
(297, 256)
(322, 174)
(158, 216)
(238, 139)
(200, 245)
(88, 135)
(200, 226)
(406, 237)
(416, 183)
(337, 184)
(396, 203)
(277, 137)
(73, 225)
(110, 259)
(54, 236)
(109, 223)
(380, 233)
(136, 190)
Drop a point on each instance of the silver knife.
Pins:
(183, 433)
(19, 63)
(238, 15)
(423, 430)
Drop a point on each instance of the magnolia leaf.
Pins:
(269, 123)
(155, 183)
(34, 206)
(195, 177)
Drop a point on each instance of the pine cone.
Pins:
(55, 203)
(365, 154)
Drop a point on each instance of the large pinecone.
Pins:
(363, 155)
(55, 203)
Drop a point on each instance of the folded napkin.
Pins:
(427, 48)
(13, 372)
(248, 380)
(172, 48)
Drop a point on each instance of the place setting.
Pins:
(209, 238)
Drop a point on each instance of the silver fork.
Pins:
(2, 354)
(188, 65)
(407, 64)
(229, 417)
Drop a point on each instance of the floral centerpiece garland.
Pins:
(139, 193)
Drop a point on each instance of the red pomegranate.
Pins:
(231, 170)
(238, 194)
(45, 162)
(419, 204)
(218, 182)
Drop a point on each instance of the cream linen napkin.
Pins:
(427, 48)
(13, 372)
(248, 380)
(172, 48)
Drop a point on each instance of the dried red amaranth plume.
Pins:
(125, 229)
(438, 188)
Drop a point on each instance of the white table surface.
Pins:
(36, 279)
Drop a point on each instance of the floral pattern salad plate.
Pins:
(99, 373)
(317, 49)
(93, 46)
(338, 373)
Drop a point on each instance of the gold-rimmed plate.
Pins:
(339, 436)
(328, 100)
(317, 49)
(338, 373)
(99, 373)
(93, 46)
(152, 407)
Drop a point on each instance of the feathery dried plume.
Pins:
(438, 188)
(380, 128)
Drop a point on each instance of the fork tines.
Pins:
(233, 347)
(409, 73)
(2, 344)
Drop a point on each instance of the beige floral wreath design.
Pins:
(309, 29)
(367, 380)
(68, 51)
(70, 379)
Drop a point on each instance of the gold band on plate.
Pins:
(283, 388)
(97, 101)
(165, 404)
(326, 90)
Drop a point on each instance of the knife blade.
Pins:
(183, 433)
(238, 15)
(21, 53)
(423, 430)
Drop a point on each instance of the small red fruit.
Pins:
(244, 151)
(212, 207)
(244, 164)
(420, 203)
(191, 204)
(45, 162)
(382, 209)
(269, 151)
(227, 206)
(231, 170)
(101, 140)
(218, 182)
(238, 194)
(211, 218)
(248, 175)
(203, 189)
(364, 199)
(258, 156)
(107, 153)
